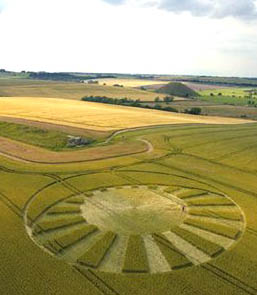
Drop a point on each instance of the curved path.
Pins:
(30, 154)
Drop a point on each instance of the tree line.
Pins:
(137, 103)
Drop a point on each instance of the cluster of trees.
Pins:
(127, 102)
(193, 111)
(166, 99)
(137, 103)
(65, 76)
(118, 85)
(251, 102)
(219, 94)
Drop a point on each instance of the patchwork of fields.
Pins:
(75, 91)
(180, 219)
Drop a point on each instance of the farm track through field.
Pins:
(229, 155)
(220, 140)
(149, 149)
(167, 156)
(219, 164)
(251, 231)
(209, 179)
(99, 283)
(74, 157)
(225, 276)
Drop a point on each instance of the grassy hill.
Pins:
(177, 89)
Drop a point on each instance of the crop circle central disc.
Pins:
(137, 229)
(136, 210)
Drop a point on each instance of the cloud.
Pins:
(244, 9)
(115, 2)
(2, 4)
(241, 9)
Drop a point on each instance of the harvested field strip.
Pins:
(53, 224)
(156, 260)
(96, 253)
(220, 229)
(175, 259)
(192, 253)
(202, 244)
(233, 223)
(113, 260)
(76, 235)
(64, 209)
(210, 236)
(135, 258)
(210, 201)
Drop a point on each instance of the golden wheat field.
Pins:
(130, 82)
(96, 116)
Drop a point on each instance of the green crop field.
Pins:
(50, 139)
(229, 91)
(179, 218)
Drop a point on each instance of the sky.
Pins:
(196, 37)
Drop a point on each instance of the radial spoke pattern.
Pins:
(139, 229)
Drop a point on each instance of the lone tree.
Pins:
(168, 99)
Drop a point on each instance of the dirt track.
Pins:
(30, 154)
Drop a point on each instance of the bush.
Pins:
(170, 109)
(193, 111)
(157, 107)
(168, 99)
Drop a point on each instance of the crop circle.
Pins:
(139, 229)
